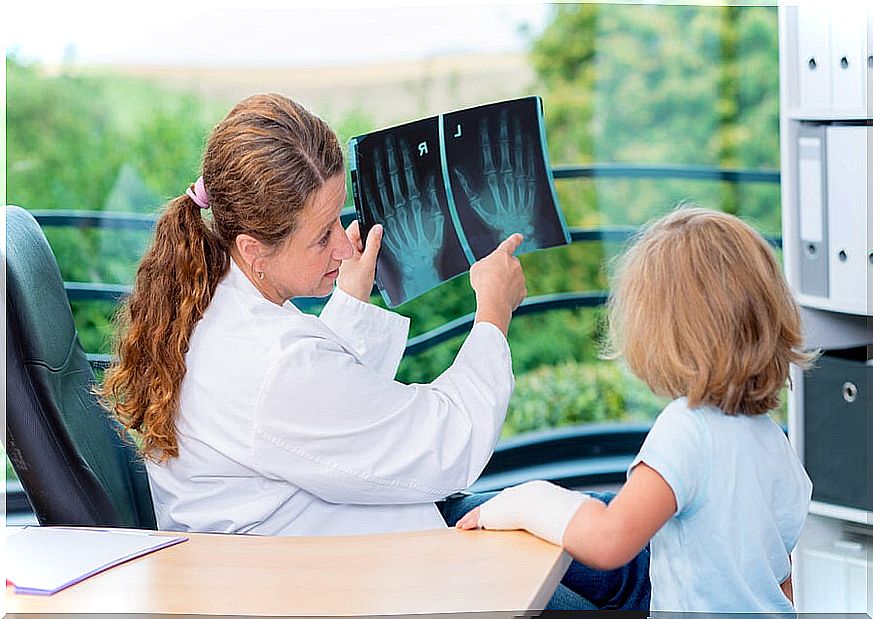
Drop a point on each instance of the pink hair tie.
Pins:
(199, 195)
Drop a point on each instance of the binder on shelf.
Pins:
(44, 560)
(813, 58)
(847, 178)
(848, 60)
(812, 204)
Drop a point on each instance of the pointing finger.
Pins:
(511, 243)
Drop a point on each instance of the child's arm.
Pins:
(601, 536)
(606, 537)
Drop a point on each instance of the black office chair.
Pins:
(69, 454)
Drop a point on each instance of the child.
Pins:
(702, 314)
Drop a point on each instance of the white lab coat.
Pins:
(291, 424)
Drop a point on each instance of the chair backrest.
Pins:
(75, 462)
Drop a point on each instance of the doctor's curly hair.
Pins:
(261, 165)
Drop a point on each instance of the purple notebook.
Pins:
(43, 560)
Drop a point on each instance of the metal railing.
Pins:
(85, 291)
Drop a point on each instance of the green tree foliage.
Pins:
(570, 393)
(69, 137)
(661, 84)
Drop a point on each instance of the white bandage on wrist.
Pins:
(540, 507)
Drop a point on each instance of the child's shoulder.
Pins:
(678, 417)
(678, 411)
(714, 429)
(679, 406)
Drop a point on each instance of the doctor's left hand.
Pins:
(357, 273)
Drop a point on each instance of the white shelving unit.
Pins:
(826, 76)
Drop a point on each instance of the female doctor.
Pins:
(258, 418)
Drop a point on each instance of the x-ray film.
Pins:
(448, 189)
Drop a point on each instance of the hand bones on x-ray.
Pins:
(413, 223)
(507, 204)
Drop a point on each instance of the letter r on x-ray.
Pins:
(422, 149)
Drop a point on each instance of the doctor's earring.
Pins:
(260, 274)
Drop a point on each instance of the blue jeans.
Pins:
(582, 588)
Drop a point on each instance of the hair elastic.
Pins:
(198, 194)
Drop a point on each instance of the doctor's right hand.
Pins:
(499, 284)
(356, 274)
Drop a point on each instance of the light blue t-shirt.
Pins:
(742, 497)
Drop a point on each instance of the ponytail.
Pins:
(261, 165)
(173, 287)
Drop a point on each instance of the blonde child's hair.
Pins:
(701, 310)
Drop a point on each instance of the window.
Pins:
(649, 101)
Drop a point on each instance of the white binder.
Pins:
(847, 226)
(813, 59)
(848, 59)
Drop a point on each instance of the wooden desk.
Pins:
(438, 571)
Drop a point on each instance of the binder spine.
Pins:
(812, 205)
